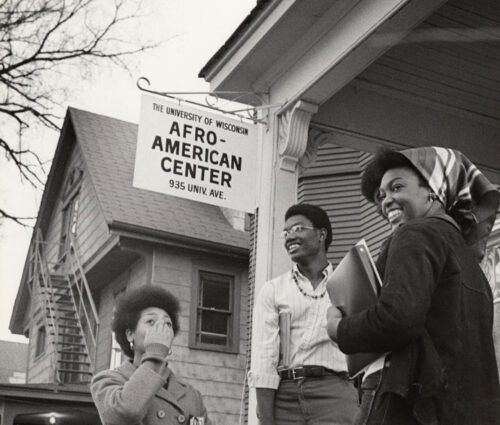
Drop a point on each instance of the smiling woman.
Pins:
(403, 196)
(434, 315)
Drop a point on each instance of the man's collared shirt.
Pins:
(309, 345)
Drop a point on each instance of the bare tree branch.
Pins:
(40, 41)
(16, 219)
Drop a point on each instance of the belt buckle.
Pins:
(294, 370)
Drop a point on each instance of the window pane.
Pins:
(213, 339)
(40, 341)
(116, 353)
(74, 216)
(216, 293)
(214, 322)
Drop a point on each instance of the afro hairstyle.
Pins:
(129, 306)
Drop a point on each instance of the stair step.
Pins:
(60, 285)
(74, 362)
(75, 353)
(56, 276)
(53, 285)
(77, 344)
(62, 325)
(60, 301)
(63, 334)
(54, 294)
(56, 290)
(73, 319)
(72, 310)
(79, 372)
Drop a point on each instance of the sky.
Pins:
(193, 30)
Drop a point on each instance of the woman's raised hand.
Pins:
(160, 333)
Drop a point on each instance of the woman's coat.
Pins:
(131, 395)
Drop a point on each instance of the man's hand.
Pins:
(333, 317)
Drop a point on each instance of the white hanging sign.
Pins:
(195, 154)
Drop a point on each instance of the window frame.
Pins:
(70, 208)
(233, 275)
(39, 347)
(116, 355)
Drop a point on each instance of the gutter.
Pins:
(178, 241)
(237, 37)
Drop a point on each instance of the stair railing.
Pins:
(40, 277)
(84, 302)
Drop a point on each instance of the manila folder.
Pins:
(353, 287)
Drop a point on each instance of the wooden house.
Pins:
(97, 236)
(337, 80)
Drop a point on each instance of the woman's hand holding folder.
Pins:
(333, 316)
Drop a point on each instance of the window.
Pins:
(70, 198)
(41, 337)
(116, 353)
(17, 378)
(68, 226)
(215, 322)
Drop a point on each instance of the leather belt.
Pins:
(309, 372)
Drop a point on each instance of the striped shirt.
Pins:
(310, 344)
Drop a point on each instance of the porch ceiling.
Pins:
(451, 56)
(451, 59)
(439, 85)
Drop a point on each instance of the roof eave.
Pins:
(238, 37)
(179, 241)
(47, 392)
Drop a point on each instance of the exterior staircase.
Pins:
(70, 315)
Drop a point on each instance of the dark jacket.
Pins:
(435, 315)
(131, 395)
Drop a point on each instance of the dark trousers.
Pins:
(386, 409)
(326, 400)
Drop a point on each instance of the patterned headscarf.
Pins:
(467, 195)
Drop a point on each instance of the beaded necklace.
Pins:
(314, 297)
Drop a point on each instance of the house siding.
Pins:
(333, 182)
(91, 227)
(40, 369)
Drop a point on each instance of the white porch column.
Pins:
(283, 144)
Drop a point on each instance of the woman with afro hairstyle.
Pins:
(143, 389)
